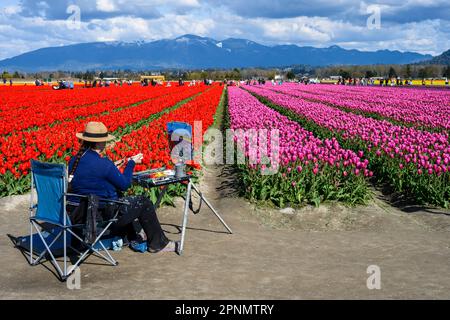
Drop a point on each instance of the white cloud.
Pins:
(106, 6)
(32, 25)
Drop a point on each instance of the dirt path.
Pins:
(307, 253)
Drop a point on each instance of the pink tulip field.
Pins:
(336, 139)
(428, 109)
(312, 169)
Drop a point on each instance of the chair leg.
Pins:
(39, 258)
(91, 250)
(53, 259)
(111, 259)
(31, 242)
(65, 252)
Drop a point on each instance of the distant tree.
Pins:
(344, 74)
(408, 72)
(392, 73)
(446, 72)
(88, 75)
(370, 74)
(271, 75)
(236, 74)
(16, 75)
(6, 75)
(290, 75)
(423, 73)
(101, 75)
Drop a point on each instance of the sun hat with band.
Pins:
(95, 132)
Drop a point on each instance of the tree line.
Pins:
(414, 71)
(385, 71)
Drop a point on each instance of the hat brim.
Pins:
(103, 139)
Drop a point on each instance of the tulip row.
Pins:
(414, 162)
(312, 170)
(421, 108)
(152, 139)
(76, 103)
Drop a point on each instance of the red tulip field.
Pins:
(41, 124)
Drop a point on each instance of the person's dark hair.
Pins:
(84, 146)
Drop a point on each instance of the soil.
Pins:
(306, 253)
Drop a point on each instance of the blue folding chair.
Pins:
(180, 140)
(49, 218)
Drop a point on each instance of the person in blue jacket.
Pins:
(92, 174)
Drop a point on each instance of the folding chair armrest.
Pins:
(74, 195)
(100, 199)
(115, 201)
(37, 220)
(77, 225)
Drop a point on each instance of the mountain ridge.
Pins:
(195, 52)
(443, 58)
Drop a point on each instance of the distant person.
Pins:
(4, 81)
(61, 85)
(10, 82)
(446, 81)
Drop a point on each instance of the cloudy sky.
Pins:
(405, 25)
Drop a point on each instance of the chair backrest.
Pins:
(50, 180)
(180, 133)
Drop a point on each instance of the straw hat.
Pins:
(95, 132)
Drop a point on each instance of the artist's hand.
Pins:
(119, 163)
(137, 158)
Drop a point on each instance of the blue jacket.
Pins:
(99, 176)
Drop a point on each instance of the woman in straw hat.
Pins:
(90, 173)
